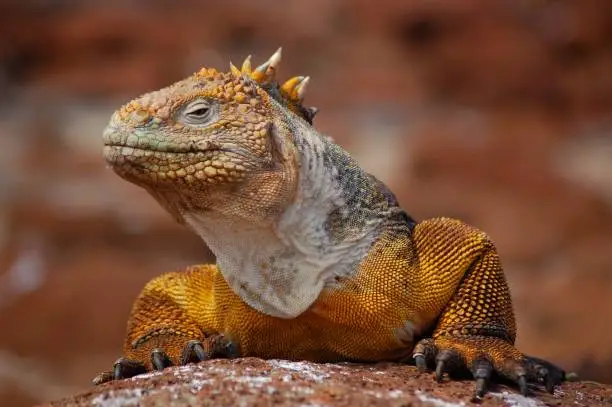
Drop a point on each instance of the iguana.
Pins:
(315, 258)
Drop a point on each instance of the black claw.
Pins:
(420, 362)
(446, 361)
(118, 372)
(440, 370)
(557, 376)
(193, 352)
(199, 351)
(481, 370)
(231, 350)
(221, 347)
(545, 377)
(522, 382)
(550, 384)
(481, 388)
(124, 368)
(159, 359)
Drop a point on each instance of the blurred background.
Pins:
(494, 111)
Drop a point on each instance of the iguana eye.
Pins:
(198, 113)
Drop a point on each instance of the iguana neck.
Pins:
(323, 234)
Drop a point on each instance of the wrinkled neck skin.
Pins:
(322, 234)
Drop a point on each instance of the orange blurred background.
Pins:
(494, 111)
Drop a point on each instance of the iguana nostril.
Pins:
(203, 145)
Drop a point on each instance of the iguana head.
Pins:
(198, 141)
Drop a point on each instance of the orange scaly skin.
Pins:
(316, 260)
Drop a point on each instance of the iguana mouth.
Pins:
(195, 148)
(168, 150)
(144, 142)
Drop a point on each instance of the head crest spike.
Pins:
(246, 66)
(276, 58)
(259, 73)
(288, 88)
(301, 89)
(264, 73)
(235, 71)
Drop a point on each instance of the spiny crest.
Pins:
(291, 93)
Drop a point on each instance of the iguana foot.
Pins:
(159, 358)
(483, 357)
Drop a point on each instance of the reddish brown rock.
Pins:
(255, 382)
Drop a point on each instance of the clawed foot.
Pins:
(216, 346)
(484, 357)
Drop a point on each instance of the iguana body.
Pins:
(315, 259)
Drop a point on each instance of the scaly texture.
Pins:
(315, 258)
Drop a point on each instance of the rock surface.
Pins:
(256, 382)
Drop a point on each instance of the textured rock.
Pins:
(255, 382)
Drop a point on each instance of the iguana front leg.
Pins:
(163, 328)
(476, 329)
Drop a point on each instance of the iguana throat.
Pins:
(323, 234)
